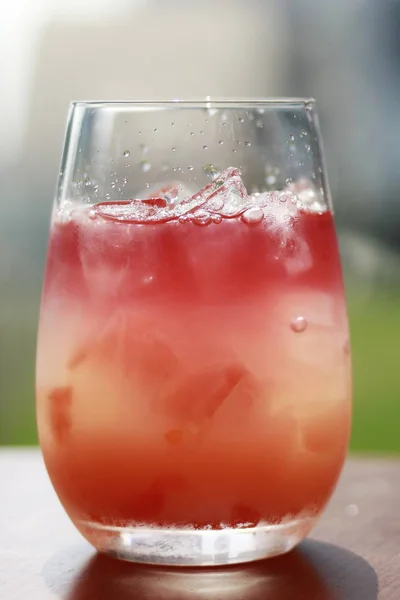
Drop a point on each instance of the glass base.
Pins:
(190, 547)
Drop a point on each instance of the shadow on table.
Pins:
(314, 571)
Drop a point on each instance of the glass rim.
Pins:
(268, 102)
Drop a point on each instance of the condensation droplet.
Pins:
(234, 151)
(192, 133)
(140, 133)
(201, 132)
(127, 153)
(173, 149)
(183, 219)
(298, 325)
(205, 147)
(241, 120)
(259, 124)
(247, 144)
(92, 215)
(270, 180)
(190, 168)
(216, 219)
(289, 180)
(253, 215)
(155, 129)
(221, 142)
(308, 148)
(145, 166)
(303, 132)
(291, 137)
(172, 124)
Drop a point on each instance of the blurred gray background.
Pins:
(345, 53)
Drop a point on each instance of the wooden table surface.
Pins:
(354, 553)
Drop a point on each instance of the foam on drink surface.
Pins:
(225, 197)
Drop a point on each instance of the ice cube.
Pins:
(197, 397)
(225, 195)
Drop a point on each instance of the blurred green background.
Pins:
(345, 54)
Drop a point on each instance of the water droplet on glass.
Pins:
(190, 168)
(253, 215)
(144, 148)
(112, 184)
(173, 149)
(308, 148)
(140, 133)
(80, 150)
(88, 183)
(298, 325)
(183, 219)
(247, 144)
(303, 132)
(289, 180)
(172, 124)
(147, 185)
(92, 215)
(205, 147)
(291, 137)
(238, 142)
(201, 132)
(127, 153)
(261, 111)
(145, 166)
(108, 196)
(221, 142)
(241, 120)
(192, 133)
(234, 151)
(216, 219)
(155, 129)
(259, 124)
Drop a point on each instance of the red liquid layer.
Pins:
(193, 375)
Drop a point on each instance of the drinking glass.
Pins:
(193, 369)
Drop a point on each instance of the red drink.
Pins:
(193, 371)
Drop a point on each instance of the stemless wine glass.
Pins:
(193, 373)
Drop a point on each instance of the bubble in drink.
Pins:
(253, 215)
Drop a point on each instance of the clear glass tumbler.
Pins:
(193, 370)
